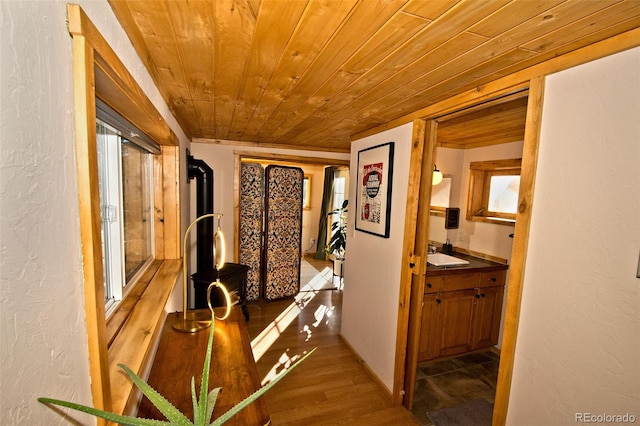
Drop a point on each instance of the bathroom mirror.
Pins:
(440, 196)
(440, 201)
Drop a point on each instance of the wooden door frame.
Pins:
(413, 257)
(534, 89)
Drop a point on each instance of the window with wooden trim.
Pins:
(125, 180)
(493, 191)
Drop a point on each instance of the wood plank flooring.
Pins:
(329, 388)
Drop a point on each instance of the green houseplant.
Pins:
(202, 406)
(338, 242)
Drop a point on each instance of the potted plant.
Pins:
(338, 242)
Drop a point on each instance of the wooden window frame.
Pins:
(130, 335)
(480, 173)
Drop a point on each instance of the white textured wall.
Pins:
(373, 265)
(578, 348)
(43, 342)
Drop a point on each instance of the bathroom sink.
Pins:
(441, 259)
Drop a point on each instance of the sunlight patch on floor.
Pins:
(322, 280)
(321, 313)
(285, 361)
(322, 316)
(270, 334)
(283, 364)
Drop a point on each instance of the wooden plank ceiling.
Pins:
(310, 73)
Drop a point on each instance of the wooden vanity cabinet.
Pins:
(427, 346)
(486, 323)
(456, 315)
(461, 311)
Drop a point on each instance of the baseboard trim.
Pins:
(367, 369)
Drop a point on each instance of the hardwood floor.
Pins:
(329, 388)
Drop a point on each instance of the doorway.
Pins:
(416, 248)
(461, 377)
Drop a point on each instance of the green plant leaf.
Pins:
(204, 386)
(194, 401)
(116, 418)
(257, 394)
(211, 403)
(160, 402)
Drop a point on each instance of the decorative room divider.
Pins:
(251, 225)
(271, 201)
(283, 236)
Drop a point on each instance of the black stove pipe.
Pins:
(203, 174)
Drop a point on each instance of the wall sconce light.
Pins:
(437, 176)
(195, 321)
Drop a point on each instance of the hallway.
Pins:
(331, 387)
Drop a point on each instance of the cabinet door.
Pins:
(455, 316)
(487, 315)
(429, 327)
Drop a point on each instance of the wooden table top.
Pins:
(180, 357)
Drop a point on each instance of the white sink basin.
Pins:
(441, 259)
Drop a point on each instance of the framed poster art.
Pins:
(373, 192)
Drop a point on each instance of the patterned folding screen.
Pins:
(283, 238)
(251, 223)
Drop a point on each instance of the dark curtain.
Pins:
(327, 194)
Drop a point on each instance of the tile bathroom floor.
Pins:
(442, 384)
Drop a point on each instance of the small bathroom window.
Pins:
(493, 191)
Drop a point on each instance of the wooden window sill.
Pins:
(135, 341)
(117, 319)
